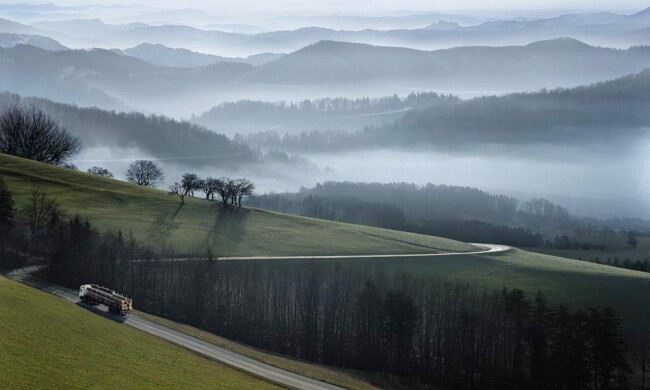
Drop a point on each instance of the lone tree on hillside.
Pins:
(177, 189)
(144, 173)
(32, 134)
(99, 171)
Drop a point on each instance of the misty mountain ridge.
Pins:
(103, 77)
(600, 28)
(161, 55)
(11, 27)
(10, 40)
(543, 64)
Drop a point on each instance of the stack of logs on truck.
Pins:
(94, 295)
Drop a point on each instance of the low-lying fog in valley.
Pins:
(605, 181)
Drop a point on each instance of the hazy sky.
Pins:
(367, 6)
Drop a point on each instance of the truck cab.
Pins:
(83, 289)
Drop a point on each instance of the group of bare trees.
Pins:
(231, 191)
(147, 174)
(99, 171)
(32, 134)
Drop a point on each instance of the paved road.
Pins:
(482, 249)
(257, 368)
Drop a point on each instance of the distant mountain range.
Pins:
(10, 27)
(435, 32)
(106, 78)
(551, 63)
(11, 40)
(161, 55)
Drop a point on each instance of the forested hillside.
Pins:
(111, 80)
(462, 213)
(616, 110)
(610, 109)
(326, 113)
(156, 135)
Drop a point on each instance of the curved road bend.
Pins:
(487, 248)
(246, 364)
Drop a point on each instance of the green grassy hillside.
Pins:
(48, 343)
(612, 252)
(155, 217)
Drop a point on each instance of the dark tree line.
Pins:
(425, 202)
(336, 106)
(461, 213)
(636, 265)
(478, 231)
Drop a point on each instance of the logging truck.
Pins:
(93, 294)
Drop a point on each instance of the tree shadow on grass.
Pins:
(164, 225)
(229, 226)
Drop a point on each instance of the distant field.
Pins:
(47, 343)
(156, 218)
(620, 252)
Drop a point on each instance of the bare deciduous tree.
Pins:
(144, 173)
(231, 191)
(99, 171)
(244, 188)
(189, 183)
(32, 134)
(209, 186)
(42, 212)
(223, 190)
(177, 189)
